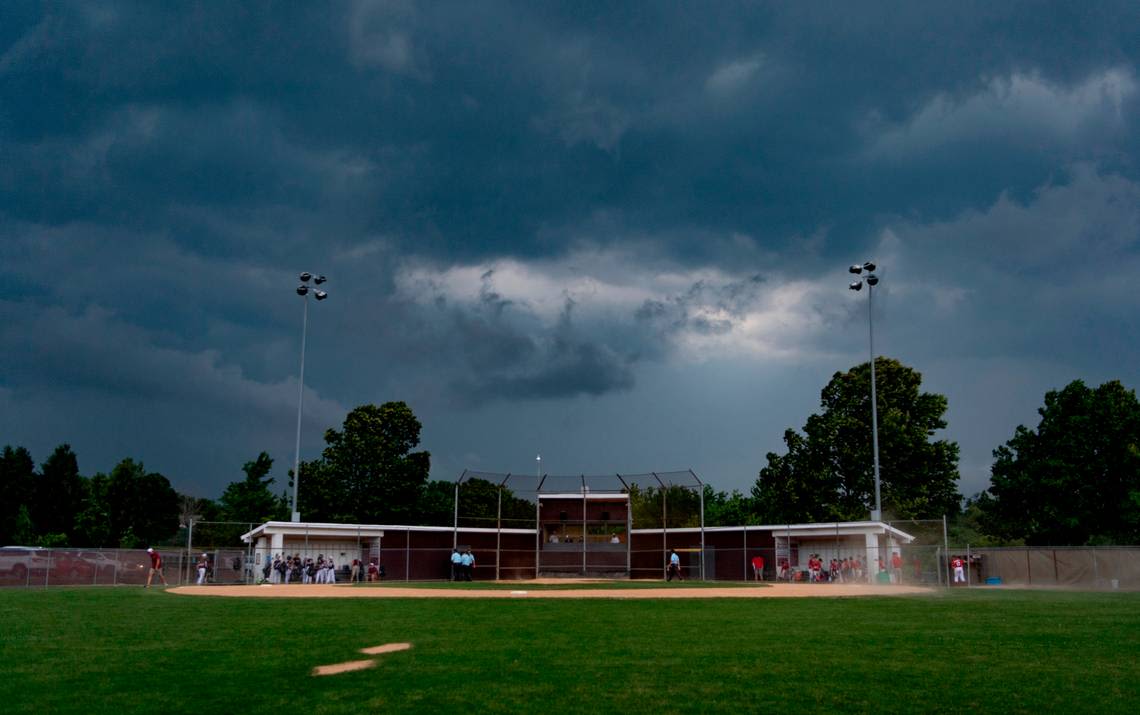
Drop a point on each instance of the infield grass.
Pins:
(120, 650)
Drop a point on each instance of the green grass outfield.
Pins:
(124, 650)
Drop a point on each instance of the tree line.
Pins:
(368, 472)
(1072, 480)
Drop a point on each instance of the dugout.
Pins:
(728, 551)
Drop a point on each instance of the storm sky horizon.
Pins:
(616, 235)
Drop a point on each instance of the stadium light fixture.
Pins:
(871, 280)
(303, 291)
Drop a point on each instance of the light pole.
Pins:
(871, 280)
(539, 460)
(303, 291)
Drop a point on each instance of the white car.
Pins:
(16, 562)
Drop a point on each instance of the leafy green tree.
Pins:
(141, 505)
(722, 509)
(250, 499)
(59, 495)
(368, 472)
(323, 497)
(827, 473)
(197, 509)
(682, 507)
(479, 506)
(969, 526)
(437, 503)
(1076, 478)
(17, 479)
(93, 523)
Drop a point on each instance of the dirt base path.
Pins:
(779, 590)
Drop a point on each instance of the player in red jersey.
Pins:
(155, 568)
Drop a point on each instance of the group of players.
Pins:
(838, 571)
(462, 564)
(294, 569)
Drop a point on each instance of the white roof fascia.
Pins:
(608, 496)
(293, 528)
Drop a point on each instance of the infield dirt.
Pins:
(780, 590)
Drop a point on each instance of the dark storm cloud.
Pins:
(168, 169)
(494, 352)
(482, 125)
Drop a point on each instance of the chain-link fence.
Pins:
(579, 525)
(819, 553)
(1085, 567)
(86, 567)
(837, 553)
(215, 553)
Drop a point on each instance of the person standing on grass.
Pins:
(155, 567)
(203, 564)
(471, 563)
(674, 566)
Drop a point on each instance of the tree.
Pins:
(142, 507)
(682, 507)
(93, 523)
(250, 499)
(437, 504)
(367, 472)
(59, 494)
(481, 504)
(1075, 479)
(828, 474)
(722, 509)
(17, 478)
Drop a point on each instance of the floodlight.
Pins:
(856, 285)
(868, 266)
(305, 277)
(319, 280)
(872, 280)
(321, 295)
(302, 289)
(856, 269)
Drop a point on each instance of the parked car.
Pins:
(82, 567)
(16, 562)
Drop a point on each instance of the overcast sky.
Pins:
(613, 234)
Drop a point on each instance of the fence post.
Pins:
(946, 554)
(189, 545)
(498, 530)
(745, 556)
(47, 569)
(704, 576)
(585, 525)
(969, 564)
